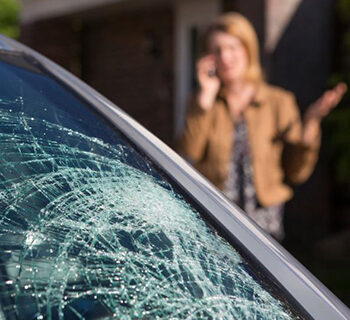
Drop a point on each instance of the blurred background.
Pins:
(141, 53)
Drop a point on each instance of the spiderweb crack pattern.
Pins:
(85, 235)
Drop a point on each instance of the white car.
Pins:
(101, 220)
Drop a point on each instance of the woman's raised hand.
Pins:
(324, 104)
(209, 83)
(319, 109)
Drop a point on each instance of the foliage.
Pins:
(9, 18)
(343, 9)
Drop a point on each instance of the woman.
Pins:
(245, 135)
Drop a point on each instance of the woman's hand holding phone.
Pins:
(209, 83)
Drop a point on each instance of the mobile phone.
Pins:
(212, 73)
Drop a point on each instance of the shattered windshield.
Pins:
(90, 229)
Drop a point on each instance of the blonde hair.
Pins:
(237, 25)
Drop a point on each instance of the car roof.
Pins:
(4, 45)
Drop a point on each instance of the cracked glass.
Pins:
(91, 229)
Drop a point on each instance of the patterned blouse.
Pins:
(239, 187)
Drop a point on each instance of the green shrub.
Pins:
(9, 18)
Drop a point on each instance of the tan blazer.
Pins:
(274, 134)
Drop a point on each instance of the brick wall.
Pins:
(129, 58)
(57, 39)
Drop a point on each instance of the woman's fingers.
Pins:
(334, 95)
(341, 88)
(208, 81)
(329, 100)
(209, 84)
(205, 64)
